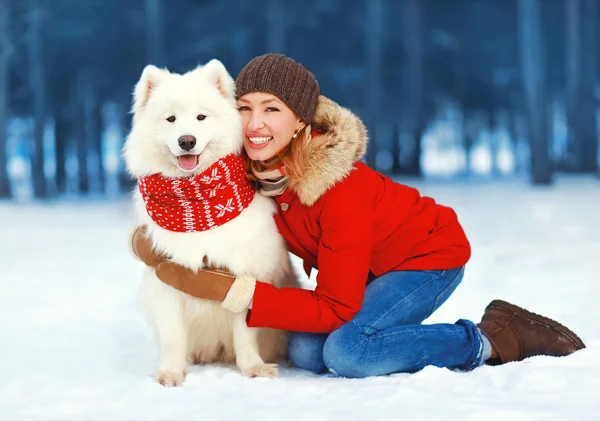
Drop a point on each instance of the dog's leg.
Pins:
(166, 307)
(245, 343)
(173, 344)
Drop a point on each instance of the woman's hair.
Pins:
(292, 157)
(298, 88)
(283, 77)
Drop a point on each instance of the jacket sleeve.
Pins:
(343, 264)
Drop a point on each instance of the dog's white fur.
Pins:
(190, 329)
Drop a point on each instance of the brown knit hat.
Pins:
(283, 77)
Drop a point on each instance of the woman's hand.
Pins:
(210, 284)
(235, 293)
(143, 249)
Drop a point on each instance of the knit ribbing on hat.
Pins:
(283, 77)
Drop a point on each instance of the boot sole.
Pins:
(521, 312)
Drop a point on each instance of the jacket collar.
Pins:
(330, 156)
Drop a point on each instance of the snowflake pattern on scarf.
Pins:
(201, 202)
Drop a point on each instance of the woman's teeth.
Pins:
(260, 140)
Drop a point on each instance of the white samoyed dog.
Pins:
(200, 107)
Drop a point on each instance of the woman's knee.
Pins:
(344, 350)
(306, 351)
(352, 351)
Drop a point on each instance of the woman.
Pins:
(387, 257)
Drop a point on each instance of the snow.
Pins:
(73, 344)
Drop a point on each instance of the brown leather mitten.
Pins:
(210, 284)
(235, 293)
(142, 248)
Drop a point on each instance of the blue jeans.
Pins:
(386, 336)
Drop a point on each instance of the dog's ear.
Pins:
(220, 77)
(151, 77)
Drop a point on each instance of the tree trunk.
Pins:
(515, 136)
(396, 138)
(154, 33)
(492, 128)
(535, 89)
(61, 136)
(5, 190)
(38, 91)
(374, 51)
(80, 135)
(97, 133)
(92, 133)
(573, 81)
(581, 104)
(588, 157)
(470, 130)
(240, 47)
(416, 121)
(65, 136)
(276, 24)
(126, 182)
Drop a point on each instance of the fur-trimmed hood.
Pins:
(331, 155)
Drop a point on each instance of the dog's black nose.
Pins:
(187, 142)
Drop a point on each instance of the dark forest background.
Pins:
(462, 88)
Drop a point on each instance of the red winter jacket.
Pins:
(352, 224)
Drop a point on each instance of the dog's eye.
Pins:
(201, 117)
(171, 119)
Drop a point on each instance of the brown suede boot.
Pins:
(517, 334)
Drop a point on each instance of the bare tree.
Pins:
(534, 82)
(154, 34)
(5, 11)
(573, 77)
(374, 25)
(276, 25)
(37, 89)
(414, 112)
(471, 129)
(63, 136)
(580, 72)
(589, 130)
(82, 140)
(92, 130)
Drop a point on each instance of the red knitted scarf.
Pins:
(199, 203)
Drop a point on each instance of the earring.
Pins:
(295, 134)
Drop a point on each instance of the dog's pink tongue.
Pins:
(187, 162)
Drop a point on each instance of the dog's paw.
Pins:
(169, 378)
(262, 370)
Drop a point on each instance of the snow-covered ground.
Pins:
(73, 345)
